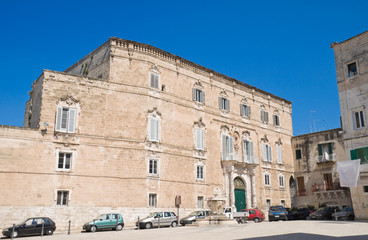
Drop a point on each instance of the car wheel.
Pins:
(119, 227)
(14, 234)
(174, 224)
(93, 228)
(256, 220)
(148, 225)
(49, 231)
(308, 218)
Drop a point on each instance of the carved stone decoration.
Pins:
(66, 138)
(199, 123)
(279, 142)
(246, 134)
(155, 69)
(69, 100)
(244, 100)
(223, 93)
(265, 139)
(198, 85)
(225, 128)
(154, 112)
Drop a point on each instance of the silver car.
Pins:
(158, 219)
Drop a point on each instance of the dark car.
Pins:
(276, 213)
(289, 214)
(31, 226)
(255, 215)
(301, 213)
(194, 216)
(323, 213)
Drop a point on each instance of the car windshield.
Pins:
(276, 209)
(193, 214)
(347, 209)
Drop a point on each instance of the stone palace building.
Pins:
(129, 127)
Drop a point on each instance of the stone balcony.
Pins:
(326, 158)
(329, 191)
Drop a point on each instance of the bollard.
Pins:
(12, 231)
(138, 223)
(335, 215)
(158, 221)
(69, 228)
(42, 229)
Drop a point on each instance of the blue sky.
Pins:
(282, 47)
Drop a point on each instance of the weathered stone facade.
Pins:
(316, 178)
(116, 160)
(352, 81)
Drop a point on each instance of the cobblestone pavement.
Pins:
(293, 230)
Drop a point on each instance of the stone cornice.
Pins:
(151, 50)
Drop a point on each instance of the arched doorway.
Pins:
(239, 192)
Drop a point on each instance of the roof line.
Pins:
(337, 43)
(183, 60)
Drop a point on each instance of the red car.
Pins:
(255, 215)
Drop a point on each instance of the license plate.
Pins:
(277, 216)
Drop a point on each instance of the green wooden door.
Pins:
(240, 199)
(239, 192)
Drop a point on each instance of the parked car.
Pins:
(347, 213)
(162, 219)
(31, 226)
(231, 213)
(254, 215)
(112, 221)
(289, 214)
(301, 213)
(194, 216)
(276, 213)
(323, 213)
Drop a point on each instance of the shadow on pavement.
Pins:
(306, 236)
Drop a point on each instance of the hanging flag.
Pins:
(348, 172)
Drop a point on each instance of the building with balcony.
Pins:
(129, 127)
(352, 81)
(316, 179)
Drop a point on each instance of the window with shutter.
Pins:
(276, 120)
(154, 129)
(279, 155)
(267, 180)
(153, 166)
(200, 172)
(65, 119)
(64, 161)
(199, 139)
(281, 181)
(245, 110)
(154, 80)
(224, 104)
(227, 147)
(264, 116)
(267, 153)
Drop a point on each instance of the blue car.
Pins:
(276, 213)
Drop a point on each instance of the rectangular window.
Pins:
(152, 169)
(154, 80)
(283, 203)
(267, 153)
(267, 180)
(298, 154)
(199, 139)
(65, 119)
(64, 161)
(200, 201)
(62, 198)
(281, 181)
(200, 172)
(152, 200)
(279, 155)
(325, 152)
(248, 152)
(352, 69)
(224, 103)
(360, 153)
(365, 189)
(154, 129)
(245, 110)
(264, 116)
(358, 119)
(268, 204)
(227, 147)
(276, 120)
(198, 95)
